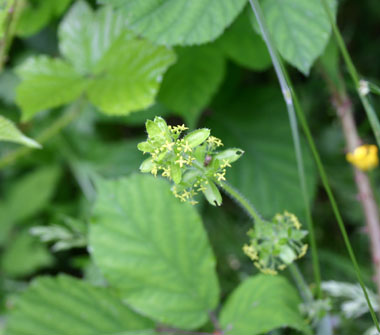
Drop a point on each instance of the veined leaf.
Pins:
(47, 83)
(257, 122)
(244, 46)
(9, 132)
(190, 84)
(85, 36)
(300, 29)
(37, 13)
(24, 255)
(119, 72)
(67, 306)
(261, 304)
(128, 77)
(154, 249)
(30, 194)
(179, 22)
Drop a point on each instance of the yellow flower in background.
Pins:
(364, 157)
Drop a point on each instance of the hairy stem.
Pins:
(371, 114)
(286, 91)
(60, 123)
(240, 200)
(366, 196)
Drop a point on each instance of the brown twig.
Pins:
(344, 111)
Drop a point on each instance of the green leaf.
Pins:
(129, 75)
(67, 306)
(154, 249)
(269, 162)
(85, 36)
(119, 72)
(37, 13)
(261, 304)
(47, 83)
(24, 255)
(30, 194)
(300, 29)
(244, 46)
(191, 83)
(10, 133)
(179, 22)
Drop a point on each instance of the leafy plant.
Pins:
(91, 92)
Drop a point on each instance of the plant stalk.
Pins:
(366, 196)
(286, 91)
(371, 114)
(301, 116)
(10, 29)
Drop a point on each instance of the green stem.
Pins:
(241, 201)
(301, 116)
(371, 114)
(286, 91)
(334, 205)
(10, 30)
(60, 123)
(300, 282)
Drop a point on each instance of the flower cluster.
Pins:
(364, 157)
(276, 244)
(193, 161)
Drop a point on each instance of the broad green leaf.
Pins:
(47, 83)
(261, 304)
(85, 36)
(9, 132)
(24, 255)
(68, 306)
(37, 13)
(118, 71)
(155, 250)
(257, 122)
(128, 76)
(244, 46)
(30, 194)
(179, 22)
(300, 29)
(190, 84)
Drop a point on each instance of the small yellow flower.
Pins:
(154, 171)
(214, 141)
(220, 176)
(166, 172)
(186, 147)
(225, 164)
(201, 188)
(250, 251)
(181, 162)
(168, 145)
(364, 157)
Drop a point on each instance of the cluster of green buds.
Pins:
(276, 244)
(194, 162)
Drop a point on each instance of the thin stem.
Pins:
(300, 282)
(286, 91)
(371, 114)
(60, 123)
(334, 205)
(241, 201)
(10, 29)
(301, 116)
